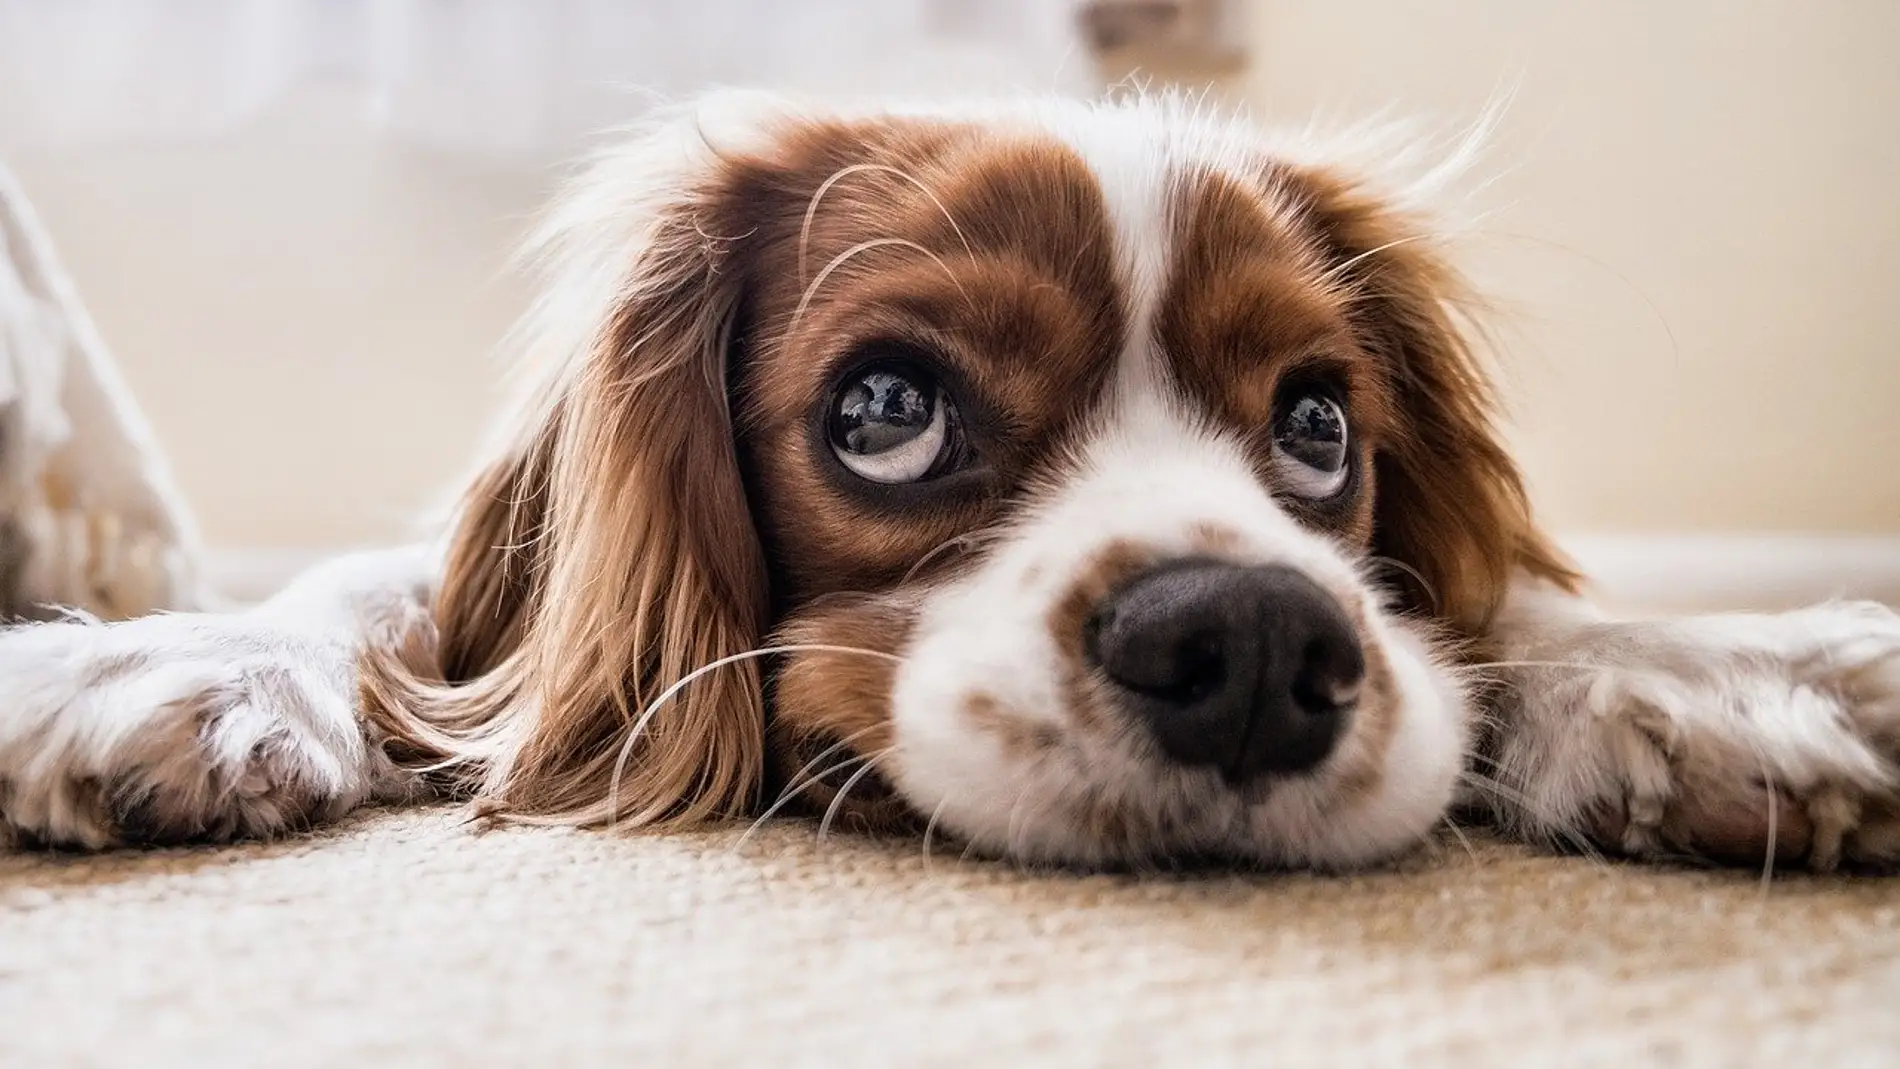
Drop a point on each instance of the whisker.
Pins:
(1481, 676)
(1418, 576)
(930, 828)
(1503, 792)
(854, 759)
(969, 847)
(794, 787)
(1458, 833)
(838, 261)
(955, 542)
(831, 811)
(1337, 272)
(811, 209)
(1011, 829)
(653, 707)
(1675, 346)
(1774, 814)
(935, 551)
(1579, 665)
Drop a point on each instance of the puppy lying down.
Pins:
(1090, 483)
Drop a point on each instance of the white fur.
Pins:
(1629, 715)
(202, 725)
(1147, 477)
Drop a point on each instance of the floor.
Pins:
(416, 939)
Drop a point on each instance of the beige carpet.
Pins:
(409, 939)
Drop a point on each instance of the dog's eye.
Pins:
(891, 423)
(1309, 446)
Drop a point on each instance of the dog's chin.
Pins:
(1107, 801)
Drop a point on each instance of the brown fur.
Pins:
(596, 564)
(1450, 502)
(636, 530)
(831, 709)
(1018, 299)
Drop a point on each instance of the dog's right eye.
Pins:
(892, 423)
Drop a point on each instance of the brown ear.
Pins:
(1451, 503)
(608, 552)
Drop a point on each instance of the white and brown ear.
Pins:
(608, 551)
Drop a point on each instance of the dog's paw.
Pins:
(174, 728)
(1735, 738)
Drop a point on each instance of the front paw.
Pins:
(170, 729)
(1734, 738)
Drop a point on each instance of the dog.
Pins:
(1096, 484)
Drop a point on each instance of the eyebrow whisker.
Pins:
(842, 258)
(811, 209)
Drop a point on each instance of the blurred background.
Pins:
(291, 218)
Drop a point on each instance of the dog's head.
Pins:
(1109, 477)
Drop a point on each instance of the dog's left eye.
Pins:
(1309, 446)
(892, 423)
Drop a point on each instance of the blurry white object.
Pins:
(89, 517)
(497, 77)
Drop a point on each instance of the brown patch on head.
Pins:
(980, 256)
(1248, 311)
(1450, 501)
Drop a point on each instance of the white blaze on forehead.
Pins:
(1134, 166)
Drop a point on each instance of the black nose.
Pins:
(1254, 670)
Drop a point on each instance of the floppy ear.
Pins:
(608, 551)
(1450, 501)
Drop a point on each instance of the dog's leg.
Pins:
(1741, 737)
(206, 726)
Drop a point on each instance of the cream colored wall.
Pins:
(306, 312)
(1724, 172)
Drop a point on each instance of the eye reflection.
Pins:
(891, 423)
(1310, 446)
